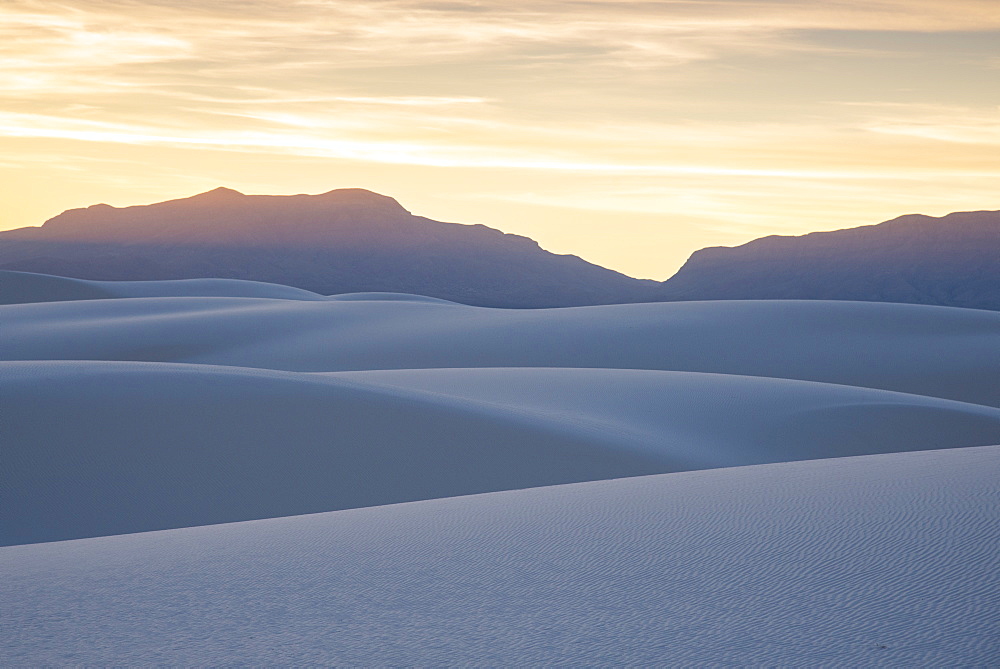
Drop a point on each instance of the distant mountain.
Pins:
(348, 240)
(953, 260)
(353, 240)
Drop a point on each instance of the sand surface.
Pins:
(703, 483)
(885, 560)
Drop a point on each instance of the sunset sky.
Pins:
(629, 133)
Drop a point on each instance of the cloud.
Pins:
(230, 37)
(671, 103)
(340, 49)
(940, 123)
(295, 137)
(413, 100)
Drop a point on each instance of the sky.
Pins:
(630, 133)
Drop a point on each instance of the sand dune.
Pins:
(24, 287)
(101, 448)
(130, 407)
(885, 560)
(934, 351)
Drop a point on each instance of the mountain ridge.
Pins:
(342, 241)
(355, 240)
(952, 260)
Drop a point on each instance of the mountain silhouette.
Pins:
(343, 241)
(353, 240)
(953, 260)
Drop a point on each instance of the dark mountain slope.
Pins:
(952, 261)
(347, 240)
(353, 240)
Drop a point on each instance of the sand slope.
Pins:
(191, 404)
(186, 403)
(25, 287)
(886, 560)
(100, 448)
(935, 351)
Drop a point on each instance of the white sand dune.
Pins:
(885, 560)
(386, 297)
(25, 287)
(101, 448)
(129, 407)
(934, 351)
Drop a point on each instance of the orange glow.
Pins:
(629, 133)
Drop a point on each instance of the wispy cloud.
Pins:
(403, 152)
(413, 100)
(715, 94)
(940, 123)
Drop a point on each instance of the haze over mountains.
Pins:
(353, 240)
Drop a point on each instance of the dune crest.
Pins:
(491, 486)
(27, 287)
(934, 351)
(103, 448)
